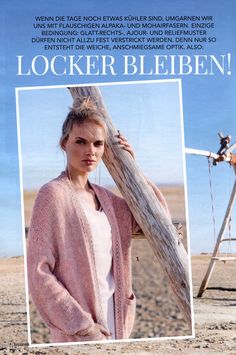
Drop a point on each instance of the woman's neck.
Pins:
(81, 185)
(79, 181)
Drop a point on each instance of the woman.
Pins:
(79, 259)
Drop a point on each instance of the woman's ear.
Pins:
(63, 145)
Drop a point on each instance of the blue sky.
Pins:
(209, 103)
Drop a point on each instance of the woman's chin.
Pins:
(89, 168)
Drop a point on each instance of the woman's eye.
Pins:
(99, 143)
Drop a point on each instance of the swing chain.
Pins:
(212, 199)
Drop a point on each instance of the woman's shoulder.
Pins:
(106, 191)
(119, 206)
(54, 187)
(113, 197)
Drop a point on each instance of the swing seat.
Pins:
(223, 258)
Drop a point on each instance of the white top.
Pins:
(102, 242)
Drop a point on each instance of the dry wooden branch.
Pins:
(145, 207)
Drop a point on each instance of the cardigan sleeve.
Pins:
(57, 307)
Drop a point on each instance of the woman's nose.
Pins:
(91, 149)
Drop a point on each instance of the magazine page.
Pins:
(118, 177)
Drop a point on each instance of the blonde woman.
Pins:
(79, 244)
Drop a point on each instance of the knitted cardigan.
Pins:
(61, 266)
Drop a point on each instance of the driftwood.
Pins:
(145, 207)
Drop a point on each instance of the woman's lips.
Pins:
(89, 161)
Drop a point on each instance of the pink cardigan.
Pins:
(61, 265)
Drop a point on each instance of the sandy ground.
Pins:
(215, 317)
(157, 313)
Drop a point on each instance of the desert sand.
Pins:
(157, 312)
(215, 318)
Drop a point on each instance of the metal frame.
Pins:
(227, 157)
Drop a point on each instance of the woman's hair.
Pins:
(83, 111)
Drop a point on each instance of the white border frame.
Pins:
(17, 90)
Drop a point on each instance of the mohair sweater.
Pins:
(61, 266)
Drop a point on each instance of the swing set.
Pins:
(224, 154)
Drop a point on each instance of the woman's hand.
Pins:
(95, 329)
(104, 331)
(125, 144)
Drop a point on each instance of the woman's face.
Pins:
(84, 147)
